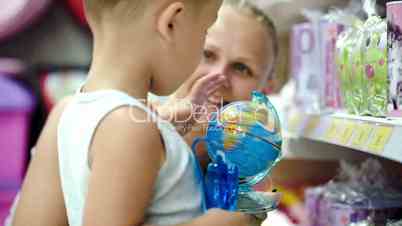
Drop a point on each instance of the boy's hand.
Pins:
(190, 101)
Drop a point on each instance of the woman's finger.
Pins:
(215, 99)
(214, 86)
(206, 81)
(201, 89)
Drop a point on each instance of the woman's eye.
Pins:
(208, 54)
(242, 69)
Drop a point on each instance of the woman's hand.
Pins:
(189, 103)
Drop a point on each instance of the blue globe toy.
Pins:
(246, 135)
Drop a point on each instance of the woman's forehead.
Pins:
(240, 35)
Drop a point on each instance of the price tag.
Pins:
(332, 131)
(346, 133)
(361, 135)
(294, 122)
(380, 138)
(312, 124)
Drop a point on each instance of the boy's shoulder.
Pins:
(129, 120)
(48, 137)
(126, 130)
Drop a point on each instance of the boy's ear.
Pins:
(167, 21)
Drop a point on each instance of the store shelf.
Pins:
(377, 136)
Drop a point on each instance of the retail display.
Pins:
(359, 194)
(362, 57)
(394, 17)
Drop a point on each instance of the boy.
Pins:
(95, 164)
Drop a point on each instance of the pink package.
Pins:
(325, 211)
(343, 215)
(328, 35)
(312, 204)
(313, 66)
(394, 17)
(15, 107)
(15, 15)
(379, 211)
(305, 67)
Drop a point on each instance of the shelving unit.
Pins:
(377, 136)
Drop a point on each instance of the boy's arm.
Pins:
(217, 217)
(127, 157)
(41, 200)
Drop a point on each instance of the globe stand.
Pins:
(254, 202)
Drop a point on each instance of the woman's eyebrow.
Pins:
(211, 47)
(245, 60)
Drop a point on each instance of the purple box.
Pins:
(328, 36)
(313, 66)
(312, 197)
(343, 215)
(324, 211)
(394, 17)
(15, 107)
(305, 67)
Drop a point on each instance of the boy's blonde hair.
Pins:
(95, 8)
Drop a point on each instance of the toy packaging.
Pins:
(362, 64)
(305, 68)
(394, 17)
(358, 194)
(329, 34)
(313, 48)
(374, 62)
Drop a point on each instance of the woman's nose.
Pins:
(221, 70)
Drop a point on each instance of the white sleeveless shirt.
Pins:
(177, 194)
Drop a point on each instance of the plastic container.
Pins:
(16, 104)
(16, 15)
(394, 17)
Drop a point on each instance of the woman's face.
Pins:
(240, 48)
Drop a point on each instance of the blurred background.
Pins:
(45, 51)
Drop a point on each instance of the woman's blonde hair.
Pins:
(262, 17)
